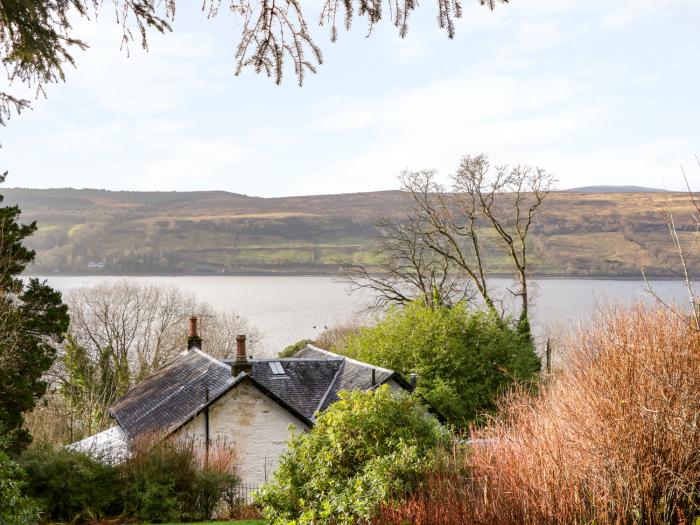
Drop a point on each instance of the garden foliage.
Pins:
(611, 439)
(166, 480)
(70, 486)
(365, 448)
(15, 507)
(464, 359)
(292, 349)
(163, 480)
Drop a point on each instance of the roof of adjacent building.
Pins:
(109, 446)
(304, 385)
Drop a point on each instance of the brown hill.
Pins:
(578, 234)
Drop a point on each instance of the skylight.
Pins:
(276, 368)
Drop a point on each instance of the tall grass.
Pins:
(613, 439)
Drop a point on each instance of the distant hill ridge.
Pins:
(595, 231)
(613, 189)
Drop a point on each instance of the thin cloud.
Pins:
(581, 89)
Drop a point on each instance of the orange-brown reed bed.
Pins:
(612, 439)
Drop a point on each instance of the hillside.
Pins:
(97, 231)
(614, 189)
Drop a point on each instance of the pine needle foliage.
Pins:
(37, 42)
(33, 320)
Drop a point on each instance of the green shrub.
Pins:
(70, 485)
(464, 359)
(165, 480)
(15, 507)
(366, 448)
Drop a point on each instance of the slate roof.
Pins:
(354, 375)
(304, 383)
(172, 394)
(185, 386)
(109, 446)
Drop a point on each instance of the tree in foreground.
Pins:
(464, 359)
(363, 449)
(33, 320)
(37, 38)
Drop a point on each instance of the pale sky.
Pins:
(594, 91)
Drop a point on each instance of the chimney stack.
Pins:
(193, 339)
(241, 363)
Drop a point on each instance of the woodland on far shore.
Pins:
(590, 233)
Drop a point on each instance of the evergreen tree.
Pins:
(33, 320)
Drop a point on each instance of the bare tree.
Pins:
(508, 198)
(450, 228)
(147, 324)
(444, 243)
(406, 268)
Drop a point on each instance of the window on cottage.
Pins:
(276, 368)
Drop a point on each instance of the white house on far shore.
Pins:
(251, 404)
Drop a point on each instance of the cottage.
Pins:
(253, 404)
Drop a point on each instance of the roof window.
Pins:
(276, 368)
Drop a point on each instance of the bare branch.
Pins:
(406, 268)
(508, 199)
(37, 42)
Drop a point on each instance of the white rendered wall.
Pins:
(256, 426)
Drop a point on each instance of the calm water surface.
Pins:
(286, 309)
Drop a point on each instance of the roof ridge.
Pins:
(210, 357)
(357, 362)
(328, 390)
(295, 359)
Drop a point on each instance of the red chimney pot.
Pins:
(241, 363)
(193, 339)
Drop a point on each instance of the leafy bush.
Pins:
(165, 480)
(464, 359)
(365, 448)
(70, 485)
(15, 507)
(445, 496)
